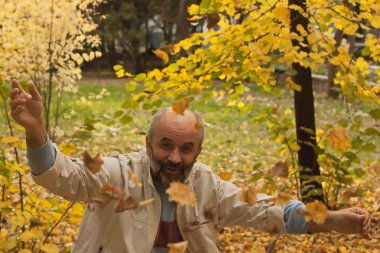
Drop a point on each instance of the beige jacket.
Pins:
(103, 230)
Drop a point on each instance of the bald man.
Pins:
(172, 148)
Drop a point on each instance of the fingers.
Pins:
(17, 110)
(34, 92)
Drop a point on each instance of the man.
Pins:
(173, 144)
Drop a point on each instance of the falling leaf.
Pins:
(93, 163)
(338, 139)
(181, 193)
(315, 211)
(134, 179)
(128, 204)
(282, 198)
(113, 192)
(280, 169)
(198, 127)
(146, 202)
(168, 48)
(100, 201)
(181, 106)
(225, 175)
(179, 247)
(162, 55)
(249, 195)
(212, 20)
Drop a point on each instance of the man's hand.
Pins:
(27, 111)
(348, 221)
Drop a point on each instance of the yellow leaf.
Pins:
(282, 13)
(225, 175)
(67, 148)
(198, 127)
(181, 193)
(49, 248)
(118, 67)
(181, 106)
(113, 192)
(179, 247)
(27, 236)
(162, 55)
(338, 139)
(93, 163)
(315, 211)
(146, 202)
(24, 251)
(134, 179)
(249, 195)
(8, 244)
(10, 139)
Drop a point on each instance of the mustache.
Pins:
(169, 164)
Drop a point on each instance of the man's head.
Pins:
(173, 143)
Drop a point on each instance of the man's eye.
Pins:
(186, 149)
(165, 145)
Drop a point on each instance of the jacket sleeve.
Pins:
(72, 180)
(263, 216)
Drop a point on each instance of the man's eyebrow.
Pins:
(165, 139)
(189, 143)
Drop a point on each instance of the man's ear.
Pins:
(148, 145)
(198, 152)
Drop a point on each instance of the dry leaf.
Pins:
(146, 202)
(271, 248)
(280, 169)
(134, 179)
(181, 106)
(112, 191)
(168, 48)
(181, 193)
(249, 195)
(212, 20)
(315, 211)
(225, 175)
(100, 201)
(128, 204)
(179, 247)
(162, 55)
(93, 163)
(282, 198)
(198, 127)
(338, 139)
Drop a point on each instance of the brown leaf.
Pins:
(280, 169)
(112, 191)
(100, 201)
(93, 163)
(198, 127)
(179, 247)
(168, 48)
(128, 204)
(282, 198)
(212, 20)
(338, 139)
(181, 106)
(249, 195)
(181, 193)
(134, 179)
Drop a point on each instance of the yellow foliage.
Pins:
(49, 248)
(162, 55)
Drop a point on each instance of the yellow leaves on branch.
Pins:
(49, 248)
(93, 163)
(181, 193)
(315, 211)
(179, 247)
(338, 139)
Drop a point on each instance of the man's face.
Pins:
(174, 147)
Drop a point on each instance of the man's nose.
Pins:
(174, 156)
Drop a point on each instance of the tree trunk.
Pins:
(311, 189)
(183, 25)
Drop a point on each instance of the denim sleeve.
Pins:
(41, 159)
(295, 224)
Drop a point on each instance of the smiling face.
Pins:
(173, 146)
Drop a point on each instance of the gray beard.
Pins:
(157, 170)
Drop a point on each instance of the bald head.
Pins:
(166, 118)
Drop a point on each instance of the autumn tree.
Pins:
(244, 52)
(47, 46)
